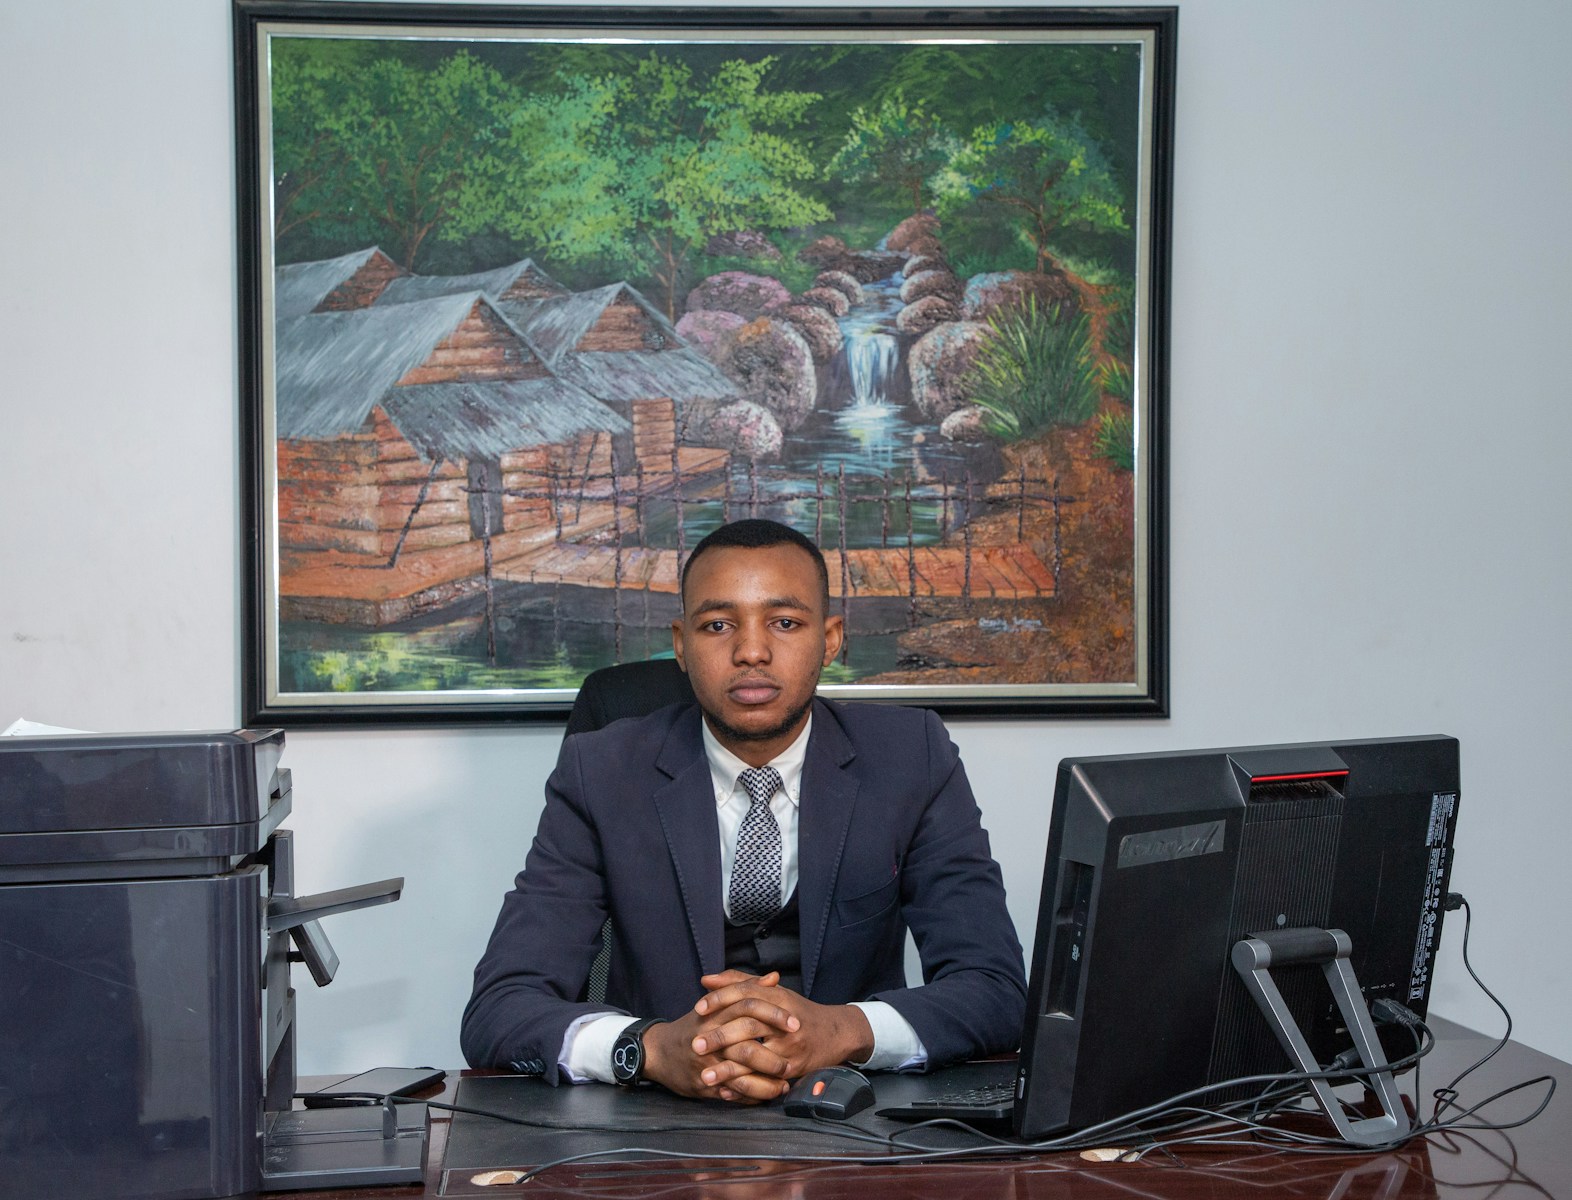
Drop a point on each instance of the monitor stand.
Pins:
(1255, 956)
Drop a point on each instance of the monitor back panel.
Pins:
(1161, 862)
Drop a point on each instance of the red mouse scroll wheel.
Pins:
(818, 1088)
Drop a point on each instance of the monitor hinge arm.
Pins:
(1256, 955)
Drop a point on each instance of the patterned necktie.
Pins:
(756, 871)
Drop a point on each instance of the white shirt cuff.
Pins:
(586, 1046)
(896, 1046)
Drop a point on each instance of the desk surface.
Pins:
(1535, 1160)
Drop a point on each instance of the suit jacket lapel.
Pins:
(828, 796)
(687, 815)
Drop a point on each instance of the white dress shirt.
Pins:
(586, 1046)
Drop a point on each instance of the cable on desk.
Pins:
(1446, 1097)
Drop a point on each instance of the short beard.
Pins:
(784, 725)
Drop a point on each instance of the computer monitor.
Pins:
(1158, 864)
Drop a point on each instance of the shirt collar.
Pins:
(726, 766)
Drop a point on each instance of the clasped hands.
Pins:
(747, 1038)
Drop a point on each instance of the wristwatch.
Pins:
(627, 1052)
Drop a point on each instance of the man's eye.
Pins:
(714, 626)
(788, 623)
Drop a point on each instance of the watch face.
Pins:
(627, 1058)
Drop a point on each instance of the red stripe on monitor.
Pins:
(1303, 775)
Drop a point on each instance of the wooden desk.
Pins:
(1533, 1161)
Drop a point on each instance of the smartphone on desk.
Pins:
(379, 1081)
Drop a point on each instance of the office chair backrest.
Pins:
(632, 689)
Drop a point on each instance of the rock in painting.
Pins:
(931, 283)
(965, 424)
(919, 225)
(917, 319)
(739, 292)
(772, 365)
(822, 250)
(841, 281)
(918, 263)
(703, 328)
(831, 300)
(740, 426)
(744, 243)
(818, 328)
(925, 247)
(1000, 290)
(869, 266)
(940, 366)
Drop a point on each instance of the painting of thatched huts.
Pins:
(529, 313)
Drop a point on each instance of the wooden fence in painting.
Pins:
(627, 532)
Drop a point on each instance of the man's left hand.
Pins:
(738, 1022)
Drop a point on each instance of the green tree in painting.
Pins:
(644, 166)
(551, 182)
(898, 144)
(380, 149)
(1047, 174)
(314, 103)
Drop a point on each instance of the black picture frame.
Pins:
(1009, 603)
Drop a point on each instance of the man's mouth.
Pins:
(753, 691)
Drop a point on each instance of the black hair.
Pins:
(756, 533)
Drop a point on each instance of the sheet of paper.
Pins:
(22, 727)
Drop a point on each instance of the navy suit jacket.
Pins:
(889, 838)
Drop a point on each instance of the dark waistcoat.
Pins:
(772, 946)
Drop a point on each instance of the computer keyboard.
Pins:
(988, 1102)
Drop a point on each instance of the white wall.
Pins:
(1369, 535)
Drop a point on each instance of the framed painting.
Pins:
(533, 298)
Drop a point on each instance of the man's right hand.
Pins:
(671, 1060)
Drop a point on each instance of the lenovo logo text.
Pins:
(1166, 845)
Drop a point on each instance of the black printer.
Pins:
(148, 919)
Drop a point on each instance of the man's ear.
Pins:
(676, 645)
(834, 637)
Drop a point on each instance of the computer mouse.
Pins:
(834, 1092)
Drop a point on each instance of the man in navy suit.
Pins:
(761, 856)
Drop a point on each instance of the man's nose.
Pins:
(752, 644)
